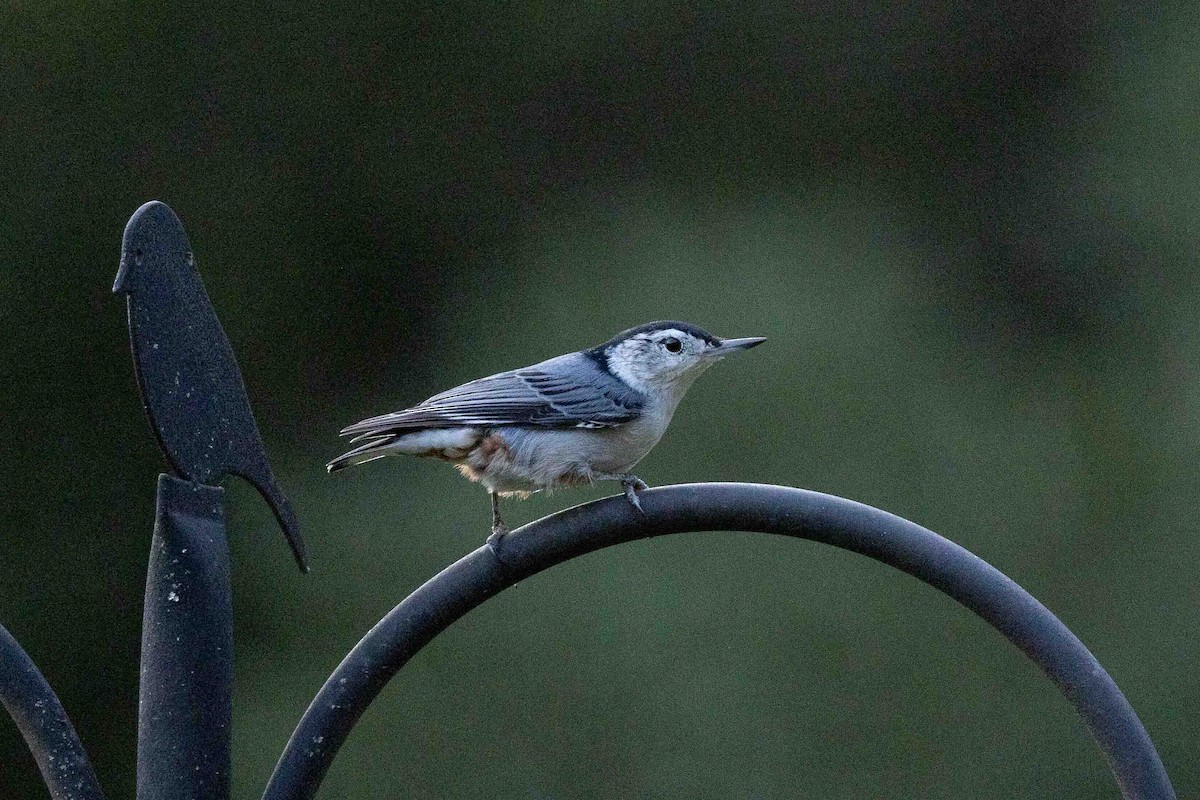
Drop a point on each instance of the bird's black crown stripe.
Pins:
(597, 352)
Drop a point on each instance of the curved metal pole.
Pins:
(942, 564)
(42, 721)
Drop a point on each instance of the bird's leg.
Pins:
(498, 527)
(632, 484)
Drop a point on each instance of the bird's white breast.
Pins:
(534, 459)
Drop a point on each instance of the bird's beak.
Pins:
(728, 346)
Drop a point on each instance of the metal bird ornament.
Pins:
(186, 371)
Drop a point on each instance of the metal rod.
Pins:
(43, 722)
(942, 564)
(185, 707)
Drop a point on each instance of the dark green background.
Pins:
(968, 230)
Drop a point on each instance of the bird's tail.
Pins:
(376, 448)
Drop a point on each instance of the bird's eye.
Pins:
(673, 345)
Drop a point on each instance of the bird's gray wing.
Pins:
(570, 391)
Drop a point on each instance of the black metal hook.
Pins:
(43, 722)
(479, 575)
(188, 377)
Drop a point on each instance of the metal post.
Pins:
(185, 705)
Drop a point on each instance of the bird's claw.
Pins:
(632, 485)
(498, 533)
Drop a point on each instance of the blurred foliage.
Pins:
(969, 232)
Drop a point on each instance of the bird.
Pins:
(187, 374)
(571, 420)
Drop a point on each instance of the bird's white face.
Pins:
(664, 360)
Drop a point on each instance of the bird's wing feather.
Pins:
(566, 392)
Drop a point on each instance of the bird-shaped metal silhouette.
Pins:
(186, 371)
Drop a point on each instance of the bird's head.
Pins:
(152, 228)
(666, 356)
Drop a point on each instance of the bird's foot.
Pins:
(632, 484)
(499, 531)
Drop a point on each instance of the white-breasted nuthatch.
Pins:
(569, 421)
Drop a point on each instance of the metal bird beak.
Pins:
(730, 346)
(121, 284)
